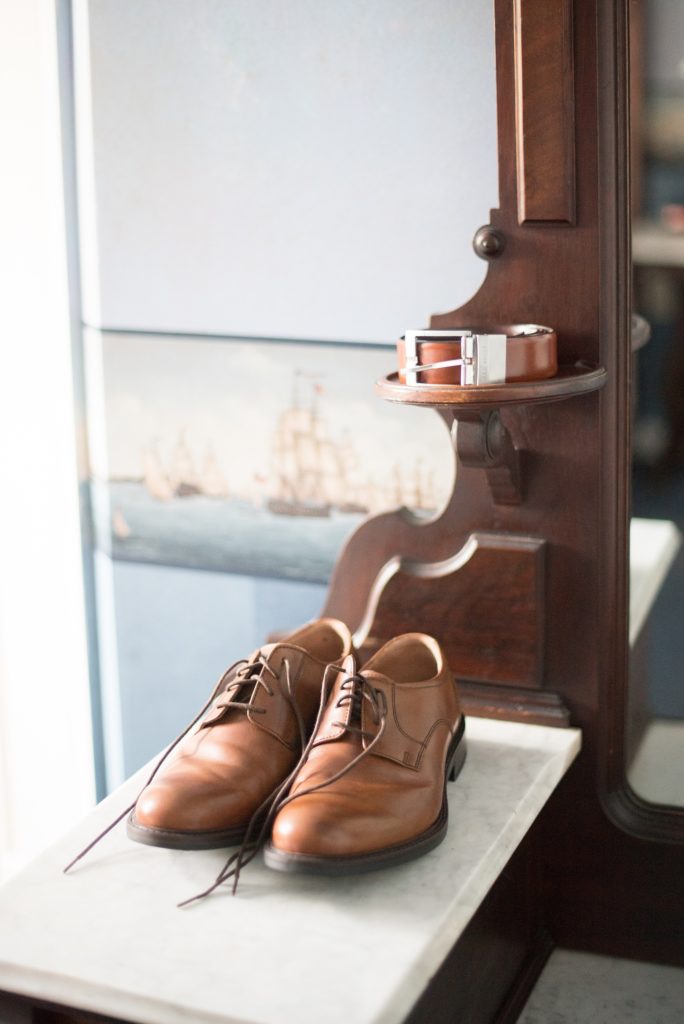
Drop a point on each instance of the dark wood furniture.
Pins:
(559, 251)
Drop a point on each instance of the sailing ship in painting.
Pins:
(313, 474)
(289, 520)
(182, 479)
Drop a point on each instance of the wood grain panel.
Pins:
(485, 606)
(545, 111)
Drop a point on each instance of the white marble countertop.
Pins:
(108, 937)
(654, 245)
(653, 547)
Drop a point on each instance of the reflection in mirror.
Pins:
(655, 734)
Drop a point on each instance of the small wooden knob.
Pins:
(489, 242)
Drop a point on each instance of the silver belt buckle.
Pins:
(483, 356)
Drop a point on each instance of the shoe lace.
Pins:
(355, 690)
(248, 672)
(255, 672)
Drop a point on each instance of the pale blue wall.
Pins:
(177, 630)
(286, 168)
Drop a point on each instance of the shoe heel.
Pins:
(458, 761)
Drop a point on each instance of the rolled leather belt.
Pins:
(478, 355)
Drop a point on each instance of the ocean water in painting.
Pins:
(224, 535)
(253, 458)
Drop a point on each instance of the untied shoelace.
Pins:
(250, 672)
(357, 690)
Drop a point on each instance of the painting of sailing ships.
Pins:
(313, 475)
(254, 458)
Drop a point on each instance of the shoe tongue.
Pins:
(261, 655)
(357, 702)
(266, 651)
(374, 677)
(244, 693)
(275, 654)
(271, 655)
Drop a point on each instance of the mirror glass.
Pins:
(655, 734)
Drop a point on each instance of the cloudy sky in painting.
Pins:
(227, 396)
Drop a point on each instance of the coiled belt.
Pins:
(478, 355)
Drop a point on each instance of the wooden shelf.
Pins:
(574, 380)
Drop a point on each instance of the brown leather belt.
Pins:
(478, 355)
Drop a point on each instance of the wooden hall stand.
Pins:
(593, 868)
(559, 255)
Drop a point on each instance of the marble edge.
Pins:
(480, 881)
(525, 735)
(654, 576)
(135, 1008)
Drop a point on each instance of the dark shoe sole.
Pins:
(173, 840)
(309, 864)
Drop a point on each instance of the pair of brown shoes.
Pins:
(337, 770)
(352, 764)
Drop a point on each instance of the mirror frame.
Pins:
(631, 812)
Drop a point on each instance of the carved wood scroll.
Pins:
(484, 604)
(545, 111)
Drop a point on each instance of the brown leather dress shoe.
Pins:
(251, 738)
(372, 790)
